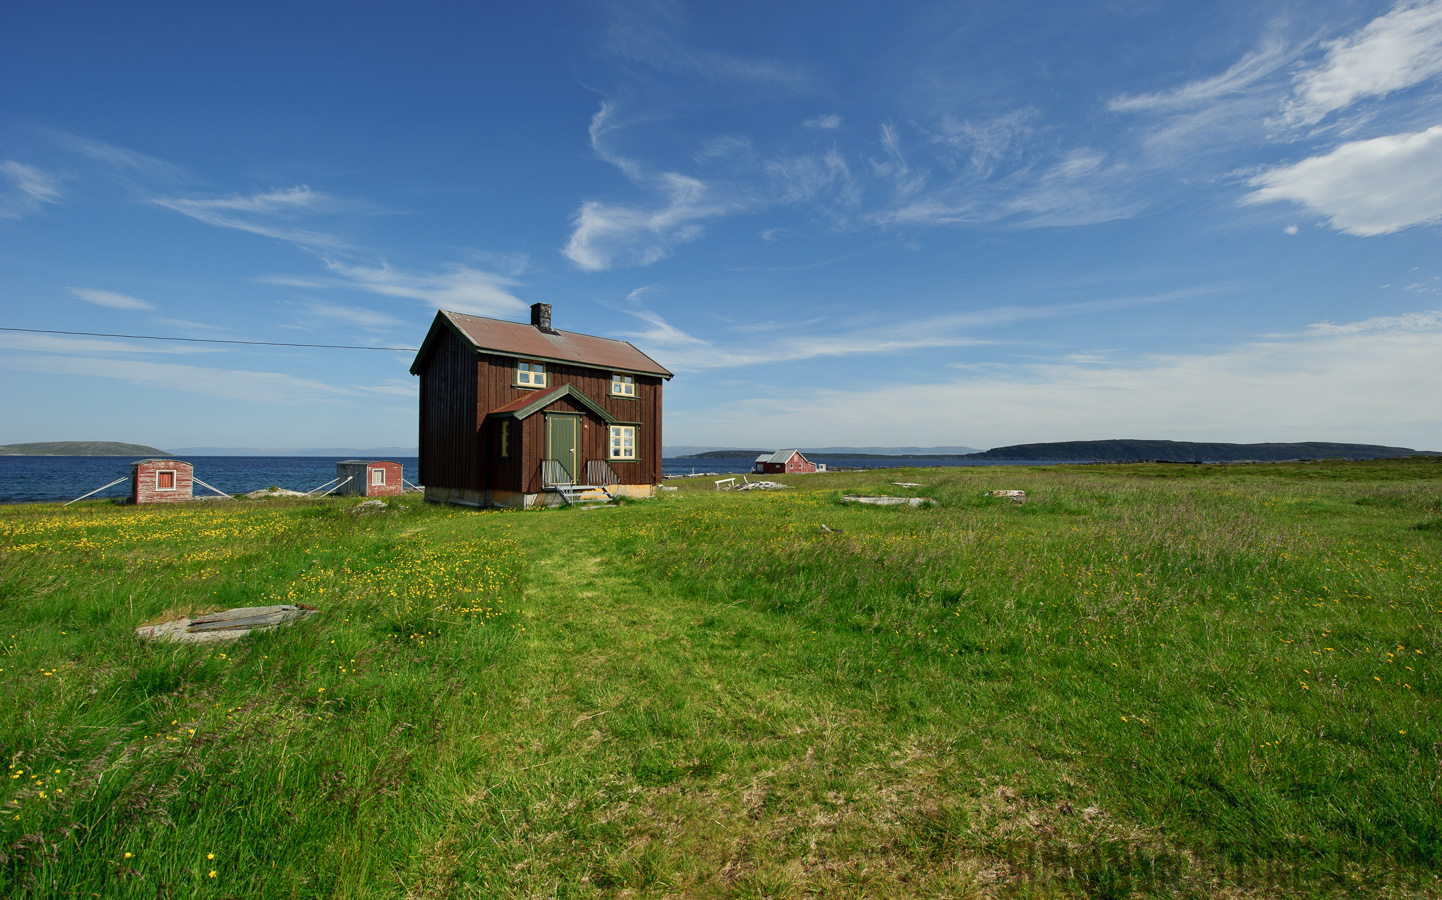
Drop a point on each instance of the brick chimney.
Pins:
(541, 317)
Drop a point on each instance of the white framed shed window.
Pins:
(530, 374)
(378, 476)
(623, 385)
(165, 480)
(623, 442)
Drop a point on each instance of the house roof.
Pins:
(780, 456)
(520, 339)
(364, 462)
(535, 401)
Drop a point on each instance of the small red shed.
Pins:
(372, 478)
(161, 481)
(789, 462)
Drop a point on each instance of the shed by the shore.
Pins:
(783, 461)
(161, 481)
(369, 478)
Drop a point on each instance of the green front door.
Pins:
(562, 439)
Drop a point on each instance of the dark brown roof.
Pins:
(519, 339)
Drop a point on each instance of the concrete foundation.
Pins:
(490, 499)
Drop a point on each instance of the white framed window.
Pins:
(378, 476)
(165, 480)
(623, 385)
(623, 442)
(530, 374)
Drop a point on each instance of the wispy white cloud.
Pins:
(26, 189)
(272, 214)
(802, 178)
(354, 315)
(1193, 121)
(265, 388)
(1374, 381)
(395, 387)
(989, 141)
(1367, 187)
(651, 33)
(111, 299)
(152, 169)
(52, 343)
(609, 234)
(865, 338)
(826, 123)
(726, 148)
(1241, 78)
(1082, 187)
(459, 287)
(187, 324)
(1394, 51)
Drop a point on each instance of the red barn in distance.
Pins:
(161, 481)
(374, 478)
(788, 462)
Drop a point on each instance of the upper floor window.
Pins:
(623, 386)
(530, 374)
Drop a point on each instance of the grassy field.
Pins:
(1149, 680)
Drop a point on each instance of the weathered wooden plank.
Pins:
(889, 501)
(230, 624)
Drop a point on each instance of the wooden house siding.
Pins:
(450, 451)
(145, 489)
(498, 377)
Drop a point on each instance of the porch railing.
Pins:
(554, 472)
(600, 473)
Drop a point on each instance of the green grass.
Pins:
(1145, 681)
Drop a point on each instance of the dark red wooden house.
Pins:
(517, 414)
(161, 481)
(784, 462)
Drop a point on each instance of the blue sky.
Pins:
(838, 223)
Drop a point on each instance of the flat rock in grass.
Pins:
(228, 625)
(889, 501)
(763, 486)
(264, 493)
(1013, 496)
(370, 506)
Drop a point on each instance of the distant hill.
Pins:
(80, 448)
(726, 454)
(341, 452)
(686, 452)
(1188, 451)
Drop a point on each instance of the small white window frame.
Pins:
(616, 443)
(174, 479)
(378, 477)
(530, 373)
(623, 385)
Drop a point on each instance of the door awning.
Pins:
(521, 407)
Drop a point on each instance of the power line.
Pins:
(151, 337)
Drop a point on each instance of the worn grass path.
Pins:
(653, 744)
